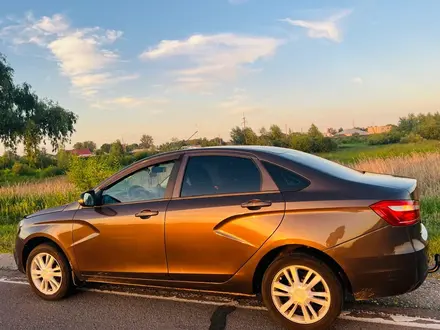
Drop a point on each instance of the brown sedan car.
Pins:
(303, 232)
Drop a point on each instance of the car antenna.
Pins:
(183, 141)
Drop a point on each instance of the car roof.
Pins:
(250, 148)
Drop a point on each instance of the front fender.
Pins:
(54, 230)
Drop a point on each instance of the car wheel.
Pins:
(302, 292)
(48, 272)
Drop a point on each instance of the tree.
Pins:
(146, 141)
(314, 132)
(26, 118)
(8, 118)
(116, 154)
(340, 129)
(132, 147)
(408, 124)
(332, 131)
(300, 142)
(105, 148)
(237, 136)
(264, 138)
(85, 145)
(245, 136)
(63, 159)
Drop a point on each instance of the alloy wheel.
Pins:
(300, 294)
(46, 273)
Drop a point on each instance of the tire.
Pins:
(329, 306)
(57, 272)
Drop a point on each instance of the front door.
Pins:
(124, 236)
(222, 216)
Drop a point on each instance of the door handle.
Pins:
(256, 204)
(145, 214)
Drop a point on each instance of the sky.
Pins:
(169, 68)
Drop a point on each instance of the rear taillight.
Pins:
(398, 213)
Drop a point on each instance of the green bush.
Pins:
(22, 169)
(354, 139)
(127, 160)
(384, 138)
(50, 172)
(312, 144)
(87, 173)
(143, 154)
(411, 138)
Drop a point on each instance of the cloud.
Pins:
(239, 103)
(213, 58)
(128, 102)
(357, 80)
(82, 54)
(55, 24)
(327, 29)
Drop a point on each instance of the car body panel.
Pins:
(211, 238)
(382, 263)
(54, 226)
(112, 241)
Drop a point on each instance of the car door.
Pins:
(224, 207)
(123, 236)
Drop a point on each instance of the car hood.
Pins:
(55, 209)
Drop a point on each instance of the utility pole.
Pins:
(244, 129)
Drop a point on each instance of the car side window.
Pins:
(149, 183)
(285, 180)
(210, 175)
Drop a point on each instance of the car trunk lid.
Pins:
(392, 181)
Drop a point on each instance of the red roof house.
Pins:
(81, 152)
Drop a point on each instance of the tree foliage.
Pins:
(312, 141)
(105, 148)
(85, 145)
(147, 141)
(116, 154)
(87, 173)
(26, 118)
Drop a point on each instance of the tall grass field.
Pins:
(19, 200)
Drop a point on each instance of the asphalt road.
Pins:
(112, 307)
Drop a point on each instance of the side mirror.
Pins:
(87, 198)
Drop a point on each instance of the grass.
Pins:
(426, 169)
(7, 237)
(21, 199)
(18, 200)
(352, 153)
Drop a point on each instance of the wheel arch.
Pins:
(270, 256)
(37, 240)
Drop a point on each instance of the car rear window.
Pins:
(320, 164)
(285, 180)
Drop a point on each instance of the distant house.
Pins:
(80, 152)
(351, 132)
(379, 129)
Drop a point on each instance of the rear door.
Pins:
(224, 207)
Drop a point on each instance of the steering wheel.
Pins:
(139, 193)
